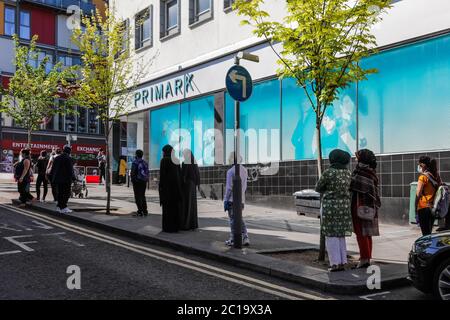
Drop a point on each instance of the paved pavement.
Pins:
(270, 229)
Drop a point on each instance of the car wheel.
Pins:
(441, 281)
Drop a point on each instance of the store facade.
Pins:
(401, 113)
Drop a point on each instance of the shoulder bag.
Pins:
(365, 212)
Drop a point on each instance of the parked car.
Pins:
(429, 264)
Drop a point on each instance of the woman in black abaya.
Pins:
(170, 196)
(191, 180)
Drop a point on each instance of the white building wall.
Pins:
(6, 55)
(224, 35)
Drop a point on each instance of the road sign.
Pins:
(239, 83)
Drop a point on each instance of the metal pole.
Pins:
(237, 182)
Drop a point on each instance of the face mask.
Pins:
(419, 169)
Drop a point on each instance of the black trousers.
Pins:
(139, 188)
(23, 188)
(426, 221)
(64, 190)
(41, 180)
(102, 170)
(54, 188)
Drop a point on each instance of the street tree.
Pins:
(322, 42)
(30, 97)
(109, 73)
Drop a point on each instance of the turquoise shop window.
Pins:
(405, 107)
(164, 129)
(298, 123)
(260, 123)
(197, 120)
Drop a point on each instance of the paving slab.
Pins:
(208, 241)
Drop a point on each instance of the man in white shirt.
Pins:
(228, 199)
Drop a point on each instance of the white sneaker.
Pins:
(58, 209)
(246, 242)
(66, 210)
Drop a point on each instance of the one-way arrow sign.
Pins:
(239, 83)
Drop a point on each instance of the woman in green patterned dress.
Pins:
(336, 224)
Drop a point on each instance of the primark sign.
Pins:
(177, 88)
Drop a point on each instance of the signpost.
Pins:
(240, 87)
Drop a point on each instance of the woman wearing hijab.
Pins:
(365, 204)
(336, 215)
(191, 180)
(170, 195)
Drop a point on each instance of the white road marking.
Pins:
(10, 252)
(22, 245)
(60, 235)
(374, 295)
(257, 284)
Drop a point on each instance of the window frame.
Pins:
(6, 22)
(197, 18)
(166, 32)
(166, 12)
(228, 5)
(196, 9)
(139, 41)
(23, 11)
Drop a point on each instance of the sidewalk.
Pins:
(270, 230)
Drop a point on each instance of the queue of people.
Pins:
(56, 170)
(351, 202)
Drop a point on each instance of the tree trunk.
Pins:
(108, 170)
(319, 171)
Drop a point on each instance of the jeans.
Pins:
(64, 190)
(426, 221)
(244, 227)
(24, 190)
(41, 180)
(139, 188)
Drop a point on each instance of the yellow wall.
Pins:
(2, 17)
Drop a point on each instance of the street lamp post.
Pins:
(237, 181)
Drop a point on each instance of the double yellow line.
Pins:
(264, 286)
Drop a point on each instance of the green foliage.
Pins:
(323, 41)
(108, 72)
(32, 90)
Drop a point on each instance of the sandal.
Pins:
(334, 268)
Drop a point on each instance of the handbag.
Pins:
(365, 212)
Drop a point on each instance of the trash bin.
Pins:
(412, 199)
(307, 203)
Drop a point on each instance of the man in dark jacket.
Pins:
(139, 177)
(62, 176)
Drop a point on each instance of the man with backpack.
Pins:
(139, 178)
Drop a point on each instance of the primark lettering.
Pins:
(178, 87)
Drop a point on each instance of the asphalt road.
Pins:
(37, 251)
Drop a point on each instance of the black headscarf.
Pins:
(367, 157)
(339, 159)
(167, 150)
(190, 169)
